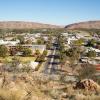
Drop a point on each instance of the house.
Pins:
(31, 38)
(45, 38)
(41, 48)
(65, 34)
(71, 39)
(37, 35)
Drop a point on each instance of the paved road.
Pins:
(52, 65)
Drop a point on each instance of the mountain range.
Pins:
(34, 25)
(24, 25)
(84, 25)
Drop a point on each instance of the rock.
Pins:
(87, 84)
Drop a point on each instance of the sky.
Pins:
(59, 12)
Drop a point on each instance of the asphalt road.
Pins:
(52, 65)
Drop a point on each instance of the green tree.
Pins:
(37, 52)
(3, 51)
(91, 43)
(73, 54)
(28, 42)
(45, 52)
(21, 38)
(40, 41)
(19, 48)
(41, 58)
(78, 42)
(27, 52)
(91, 54)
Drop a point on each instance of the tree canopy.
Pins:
(3, 51)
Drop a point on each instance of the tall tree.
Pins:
(21, 38)
(3, 51)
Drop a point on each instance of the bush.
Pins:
(87, 71)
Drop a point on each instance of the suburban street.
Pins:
(52, 65)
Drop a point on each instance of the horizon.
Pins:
(50, 11)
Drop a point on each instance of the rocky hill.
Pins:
(24, 25)
(84, 25)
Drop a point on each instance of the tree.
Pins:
(91, 43)
(27, 52)
(91, 54)
(21, 39)
(79, 42)
(73, 54)
(48, 45)
(41, 58)
(19, 48)
(28, 42)
(40, 41)
(45, 52)
(37, 52)
(3, 51)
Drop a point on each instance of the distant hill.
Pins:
(84, 25)
(24, 25)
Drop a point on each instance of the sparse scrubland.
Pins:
(38, 86)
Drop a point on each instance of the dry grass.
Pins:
(24, 87)
(10, 95)
(22, 59)
(37, 87)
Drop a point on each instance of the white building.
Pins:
(65, 34)
(93, 49)
(2, 42)
(41, 48)
(71, 39)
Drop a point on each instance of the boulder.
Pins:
(87, 84)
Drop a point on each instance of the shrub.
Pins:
(87, 71)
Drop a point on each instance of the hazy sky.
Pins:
(59, 12)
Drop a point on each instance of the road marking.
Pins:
(52, 59)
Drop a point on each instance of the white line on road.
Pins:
(52, 59)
